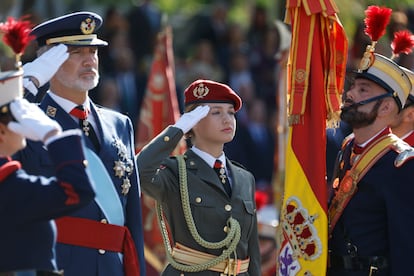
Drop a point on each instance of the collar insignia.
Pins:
(51, 111)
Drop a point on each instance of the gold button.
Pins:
(198, 200)
(227, 207)
(101, 251)
(166, 138)
(225, 229)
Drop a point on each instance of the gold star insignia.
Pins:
(125, 186)
(119, 169)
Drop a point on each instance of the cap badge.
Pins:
(4, 109)
(88, 26)
(200, 91)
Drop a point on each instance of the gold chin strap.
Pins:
(229, 243)
(70, 38)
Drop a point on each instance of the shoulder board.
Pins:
(100, 106)
(238, 164)
(404, 150)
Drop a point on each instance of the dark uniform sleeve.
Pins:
(28, 198)
(151, 157)
(254, 248)
(399, 205)
(40, 93)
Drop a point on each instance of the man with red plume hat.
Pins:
(370, 213)
(403, 125)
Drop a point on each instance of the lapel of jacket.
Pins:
(234, 174)
(99, 119)
(201, 169)
(56, 112)
(105, 130)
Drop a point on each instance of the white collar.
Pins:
(66, 104)
(208, 158)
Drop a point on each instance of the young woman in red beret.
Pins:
(207, 210)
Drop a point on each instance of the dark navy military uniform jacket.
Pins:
(28, 203)
(117, 144)
(379, 218)
(208, 199)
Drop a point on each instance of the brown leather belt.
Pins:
(358, 263)
(189, 256)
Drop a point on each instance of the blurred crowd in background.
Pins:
(208, 45)
(248, 57)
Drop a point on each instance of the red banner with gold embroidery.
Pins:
(316, 72)
(159, 109)
(160, 105)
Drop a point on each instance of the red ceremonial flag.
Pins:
(316, 72)
(159, 109)
(160, 105)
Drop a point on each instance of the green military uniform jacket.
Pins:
(210, 205)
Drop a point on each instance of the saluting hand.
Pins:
(32, 122)
(45, 66)
(190, 119)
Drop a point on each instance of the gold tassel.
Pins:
(333, 120)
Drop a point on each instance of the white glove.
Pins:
(44, 67)
(32, 122)
(190, 119)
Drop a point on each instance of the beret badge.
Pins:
(200, 91)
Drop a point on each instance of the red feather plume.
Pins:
(403, 42)
(376, 20)
(16, 34)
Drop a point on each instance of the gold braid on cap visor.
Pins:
(71, 39)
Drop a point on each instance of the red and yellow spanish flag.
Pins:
(316, 73)
(159, 109)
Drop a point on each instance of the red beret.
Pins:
(207, 91)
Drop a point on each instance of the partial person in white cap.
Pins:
(403, 126)
(371, 213)
(105, 237)
(29, 203)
